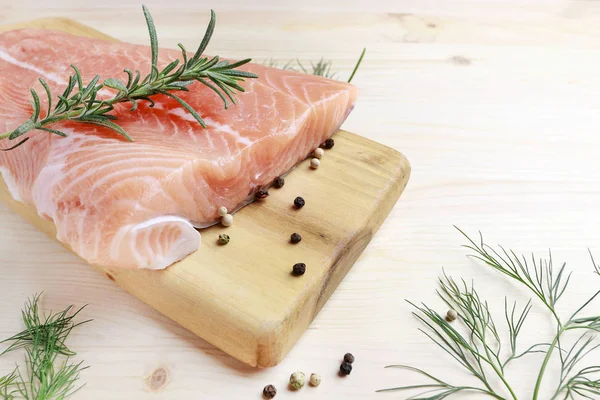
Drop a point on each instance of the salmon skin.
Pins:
(136, 205)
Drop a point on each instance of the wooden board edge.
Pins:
(55, 23)
(271, 350)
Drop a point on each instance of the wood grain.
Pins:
(242, 297)
(506, 143)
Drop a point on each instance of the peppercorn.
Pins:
(297, 380)
(222, 211)
(315, 163)
(223, 239)
(227, 220)
(318, 153)
(328, 144)
(295, 238)
(345, 369)
(261, 194)
(349, 358)
(299, 269)
(315, 380)
(451, 315)
(299, 202)
(269, 392)
(279, 182)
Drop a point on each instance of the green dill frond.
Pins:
(50, 375)
(480, 350)
(319, 68)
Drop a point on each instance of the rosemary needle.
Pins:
(79, 103)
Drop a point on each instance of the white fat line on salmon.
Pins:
(11, 184)
(181, 113)
(48, 75)
(227, 129)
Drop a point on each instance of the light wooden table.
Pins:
(497, 106)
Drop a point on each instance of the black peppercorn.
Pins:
(295, 238)
(279, 182)
(299, 269)
(349, 358)
(261, 194)
(345, 369)
(299, 202)
(328, 144)
(269, 392)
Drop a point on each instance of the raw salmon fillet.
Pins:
(136, 205)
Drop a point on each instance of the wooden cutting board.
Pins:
(242, 297)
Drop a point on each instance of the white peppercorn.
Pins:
(227, 220)
(315, 379)
(318, 153)
(314, 163)
(222, 211)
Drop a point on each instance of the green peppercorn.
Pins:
(451, 315)
(295, 238)
(223, 239)
(297, 380)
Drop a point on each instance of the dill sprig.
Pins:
(59, 324)
(319, 68)
(50, 375)
(80, 102)
(8, 385)
(481, 352)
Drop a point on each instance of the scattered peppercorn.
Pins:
(451, 315)
(297, 380)
(295, 238)
(328, 144)
(222, 211)
(227, 220)
(269, 392)
(315, 163)
(299, 269)
(279, 182)
(318, 153)
(315, 380)
(261, 194)
(223, 239)
(299, 202)
(349, 358)
(345, 369)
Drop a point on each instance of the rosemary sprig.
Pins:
(320, 68)
(50, 375)
(480, 352)
(80, 103)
